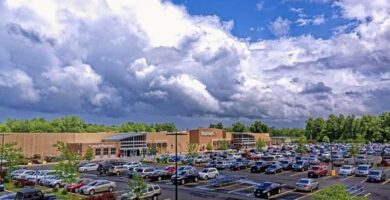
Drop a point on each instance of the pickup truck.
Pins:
(34, 194)
(152, 192)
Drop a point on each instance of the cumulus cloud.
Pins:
(280, 27)
(132, 59)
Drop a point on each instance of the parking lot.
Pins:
(244, 188)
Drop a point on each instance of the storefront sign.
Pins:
(204, 133)
(96, 146)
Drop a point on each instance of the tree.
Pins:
(67, 167)
(326, 139)
(192, 150)
(260, 144)
(238, 127)
(224, 145)
(219, 125)
(89, 154)
(335, 192)
(258, 127)
(209, 146)
(137, 187)
(12, 156)
(354, 150)
(301, 149)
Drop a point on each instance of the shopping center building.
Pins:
(114, 145)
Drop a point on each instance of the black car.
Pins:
(237, 166)
(286, 164)
(300, 166)
(212, 164)
(273, 169)
(33, 194)
(266, 189)
(259, 166)
(159, 175)
(185, 176)
(106, 165)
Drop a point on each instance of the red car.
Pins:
(385, 160)
(74, 187)
(317, 171)
(170, 169)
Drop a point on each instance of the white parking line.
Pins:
(252, 186)
(248, 195)
(227, 186)
(363, 181)
(386, 181)
(288, 191)
(307, 195)
(298, 173)
(347, 178)
(327, 177)
(368, 194)
(283, 172)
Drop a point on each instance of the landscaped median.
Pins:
(57, 192)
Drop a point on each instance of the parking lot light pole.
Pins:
(176, 188)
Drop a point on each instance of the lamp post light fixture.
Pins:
(176, 183)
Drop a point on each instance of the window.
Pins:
(113, 151)
(98, 152)
(105, 151)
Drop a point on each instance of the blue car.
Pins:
(1, 188)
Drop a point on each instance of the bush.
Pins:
(104, 196)
(64, 192)
(22, 183)
(55, 190)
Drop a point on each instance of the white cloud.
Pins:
(151, 58)
(280, 27)
(259, 6)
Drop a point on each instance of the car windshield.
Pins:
(299, 163)
(181, 173)
(259, 163)
(205, 170)
(362, 167)
(168, 168)
(93, 183)
(264, 185)
(273, 166)
(303, 181)
(315, 168)
(375, 173)
(346, 167)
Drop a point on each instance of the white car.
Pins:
(347, 170)
(209, 173)
(132, 165)
(89, 167)
(19, 174)
(40, 175)
(201, 159)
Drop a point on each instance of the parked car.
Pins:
(186, 167)
(266, 189)
(158, 175)
(89, 167)
(286, 164)
(33, 194)
(314, 161)
(27, 173)
(55, 181)
(237, 166)
(133, 164)
(18, 174)
(362, 170)
(359, 160)
(317, 171)
(212, 164)
(152, 192)
(338, 160)
(170, 169)
(174, 159)
(116, 170)
(144, 172)
(74, 187)
(300, 165)
(274, 168)
(223, 164)
(325, 157)
(376, 176)
(201, 159)
(209, 173)
(248, 163)
(40, 175)
(106, 165)
(347, 170)
(306, 184)
(260, 166)
(98, 186)
(9, 196)
(185, 176)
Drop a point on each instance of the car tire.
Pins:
(196, 179)
(206, 177)
(279, 191)
(110, 189)
(57, 185)
(216, 176)
(118, 173)
(183, 182)
(155, 197)
(159, 178)
(91, 192)
(268, 194)
(85, 170)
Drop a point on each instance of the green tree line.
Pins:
(75, 124)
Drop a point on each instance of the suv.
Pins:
(260, 166)
(185, 176)
(361, 160)
(145, 171)
(362, 170)
(106, 165)
(208, 173)
(317, 171)
(223, 164)
(338, 160)
(300, 165)
(152, 192)
(117, 170)
(33, 194)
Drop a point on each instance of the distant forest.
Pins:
(335, 128)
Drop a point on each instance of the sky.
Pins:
(194, 62)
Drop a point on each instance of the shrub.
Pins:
(64, 192)
(22, 183)
(104, 196)
(55, 190)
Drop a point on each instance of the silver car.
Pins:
(208, 173)
(362, 170)
(307, 185)
(98, 186)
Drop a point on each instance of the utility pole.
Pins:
(2, 157)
